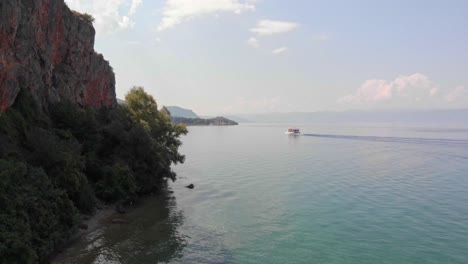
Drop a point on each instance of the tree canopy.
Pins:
(56, 164)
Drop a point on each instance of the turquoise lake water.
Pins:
(336, 194)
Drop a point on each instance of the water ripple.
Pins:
(424, 141)
(371, 195)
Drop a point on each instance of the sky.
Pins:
(257, 56)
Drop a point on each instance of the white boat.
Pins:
(293, 131)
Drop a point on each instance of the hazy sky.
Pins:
(254, 56)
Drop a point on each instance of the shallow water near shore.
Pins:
(336, 194)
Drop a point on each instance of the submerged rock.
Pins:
(83, 226)
(120, 209)
(190, 186)
(86, 217)
(119, 221)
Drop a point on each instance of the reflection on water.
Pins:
(337, 194)
(425, 141)
(149, 236)
(377, 194)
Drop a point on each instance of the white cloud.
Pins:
(411, 87)
(178, 11)
(134, 42)
(279, 50)
(126, 23)
(110, 15)
(370, 91)
(253, 42)
(407, 85)
(459, 93)
(271, 27)
(134, 6)
(243, 105)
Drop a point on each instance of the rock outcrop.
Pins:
(49, 50)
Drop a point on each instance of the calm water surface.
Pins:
(336, 194)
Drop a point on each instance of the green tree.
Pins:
(54, 162)
(163, 136)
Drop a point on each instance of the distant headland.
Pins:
(216, 121)
(187, 117)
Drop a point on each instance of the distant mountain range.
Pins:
(441, 116)
(177, 111)
(357, 116)
(181, 115)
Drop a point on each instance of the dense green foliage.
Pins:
(36, 217)
(55, 164)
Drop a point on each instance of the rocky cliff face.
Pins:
(49, 50)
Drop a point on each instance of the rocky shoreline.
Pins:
(102, 217)
(106, 215)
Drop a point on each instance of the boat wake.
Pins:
(424, 141)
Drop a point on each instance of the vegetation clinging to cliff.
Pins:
(88, 18)
(56, 164)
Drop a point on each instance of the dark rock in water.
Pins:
(86, 217)
(83, 226)
(190, 186)
(170, 192)
(120, 209)
(119, 221)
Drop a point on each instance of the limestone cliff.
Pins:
(49, 50)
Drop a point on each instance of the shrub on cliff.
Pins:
(59, 154)
(118, 183)
(36, 217)
(88, 18)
